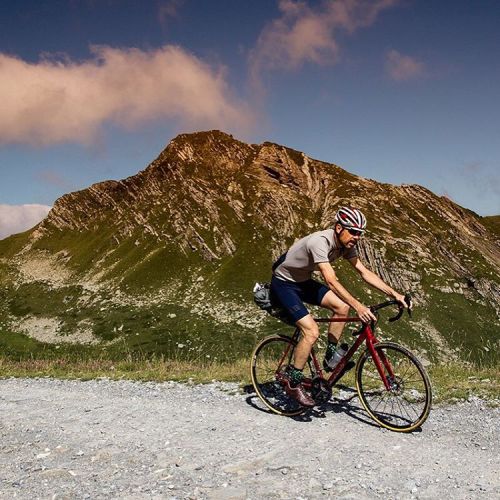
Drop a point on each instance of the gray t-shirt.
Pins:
(304, 255)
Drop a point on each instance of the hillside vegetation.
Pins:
(163, 263)
(492, 223)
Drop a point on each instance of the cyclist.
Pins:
(292, 284)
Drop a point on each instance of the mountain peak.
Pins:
(205, 220)
(204, 135)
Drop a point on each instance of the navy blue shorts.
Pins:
(291, 295)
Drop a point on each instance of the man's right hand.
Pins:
(365, 314)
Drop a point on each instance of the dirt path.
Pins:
(103, 439)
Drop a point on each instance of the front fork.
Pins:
(380, 359)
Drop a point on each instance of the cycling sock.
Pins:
(296, 376)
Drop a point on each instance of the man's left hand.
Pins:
(401, 299)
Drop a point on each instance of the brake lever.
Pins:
(401, 308)
(409, 303)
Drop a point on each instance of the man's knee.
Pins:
(337, 306)
(310, 333)
(309, 329)
(342, 309)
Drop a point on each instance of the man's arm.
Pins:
(372, 279)
(335, 286)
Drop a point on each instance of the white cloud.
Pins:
(401, 67)
(57, 101)
(17, 218)
(305, 34)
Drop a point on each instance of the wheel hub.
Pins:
(397, 385)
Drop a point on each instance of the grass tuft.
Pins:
(451, 382)
(455, 382)
(156, 369)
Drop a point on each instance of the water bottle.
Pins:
(340, 352)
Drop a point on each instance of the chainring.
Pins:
(321, 392)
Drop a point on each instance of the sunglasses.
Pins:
(355, 232)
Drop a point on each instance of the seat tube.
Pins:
(296, 334)
(288, 351)
(291, 348)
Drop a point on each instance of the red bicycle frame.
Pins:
(364, 335)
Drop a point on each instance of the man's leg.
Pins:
(289, 295)
(294, 374)
(339, 309)
(310, 334)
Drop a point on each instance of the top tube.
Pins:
(337, 320)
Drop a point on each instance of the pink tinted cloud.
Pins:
(58, 101)
(17, 218)
(54, 179)
(402, 67)
(306, 34)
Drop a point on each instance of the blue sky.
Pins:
(401, 91)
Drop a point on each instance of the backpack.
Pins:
(262, 296)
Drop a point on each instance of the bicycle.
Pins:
(391, 382)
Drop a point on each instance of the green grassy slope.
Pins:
(492, 223)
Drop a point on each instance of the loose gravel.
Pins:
(107, 439)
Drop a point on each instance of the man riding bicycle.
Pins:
(292, 285)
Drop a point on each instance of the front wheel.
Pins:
(406, 404)
(269, 360)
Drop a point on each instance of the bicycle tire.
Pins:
(404, 407)
(270, 357)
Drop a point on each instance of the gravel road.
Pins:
(105, 439)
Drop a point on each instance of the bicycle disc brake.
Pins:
(321, 392)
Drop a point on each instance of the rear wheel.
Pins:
(406, 405)
(269, 360)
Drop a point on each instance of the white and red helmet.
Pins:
(351, 218)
